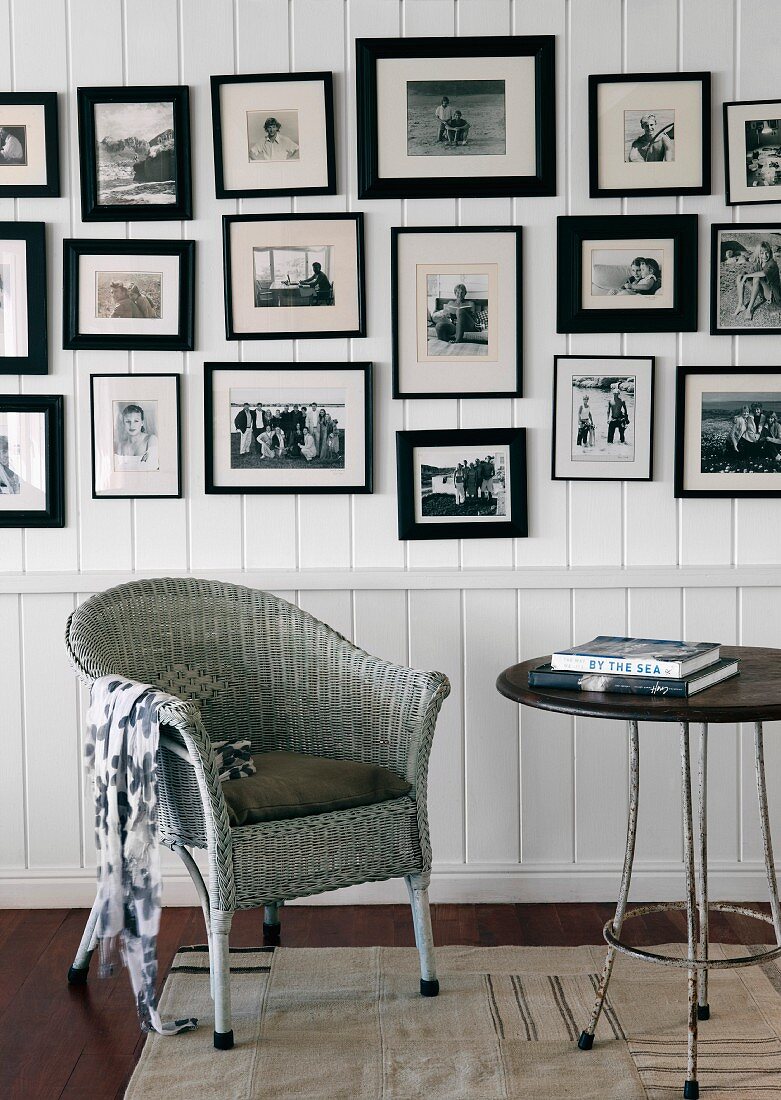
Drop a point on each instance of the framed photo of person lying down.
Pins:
(291, 275)
(448, 117)
(462, 483)
(273, 135)
(456, 311)
(288, 428)
(24, 345)
(128, 295)
(29, 145)
(32, 457)
(627, 273)
(728, 432)
(745, 283)
(603, 417)
(649, 134)
(752, 151)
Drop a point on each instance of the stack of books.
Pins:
(636, 666)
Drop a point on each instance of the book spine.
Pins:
(617, 666)
(619, 685)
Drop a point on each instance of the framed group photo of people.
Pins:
(32, 457)
(745, 283)
(752, 151)
(24, 345)
(29, 145)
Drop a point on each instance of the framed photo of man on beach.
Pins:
(29, 145)
(752, 151)
(456, 117)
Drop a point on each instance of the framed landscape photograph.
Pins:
(728, 432)
(745, 284)
(129, 295)
(288, 428)
(136, 435)
(23, 329)
(29, 145)
(603, 418)
(449, 117)
(462, 483)
(134, 152)
(752, 151)
(32, 456)
(456, 311)
(649, 134)
(273, 135)
(627, 273)
(290, 275)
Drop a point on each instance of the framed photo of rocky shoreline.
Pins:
(24, 345)
(32, 456)
(134, 152)
(752, 151)
(29, 145)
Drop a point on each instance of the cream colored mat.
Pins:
(343, 1022)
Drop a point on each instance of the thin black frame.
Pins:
(516, 526)
(52, 406)
(178, 399)
(680, 427)
(50, 189)
(230, 332)
(622, 359)
(597, 192)
(574, 230)
(91, 210)
(515, 229)
(715, 271)
(368, 51)
(762, 201)
(37, 359)
(210, 369)
(326, 78)
(73, 250)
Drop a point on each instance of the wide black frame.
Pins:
(326, 78)
(50, 189)
(368, 51)
(178, 398)
(517, 523)
(73, 249)
(623, 359)
(37, 359)
(395, 233)
(574, 230)
(594, 81)
(715, 271)
(52, 406)
(729, 201)
(209, 370)
(232, 334)
(91, 211)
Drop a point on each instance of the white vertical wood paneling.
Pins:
(334, 608)
(381, 624)
(12, 774)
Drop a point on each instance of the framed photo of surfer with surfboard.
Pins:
(649, 134)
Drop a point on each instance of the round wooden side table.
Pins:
(753, 696)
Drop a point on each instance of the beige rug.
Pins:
(341, 1022)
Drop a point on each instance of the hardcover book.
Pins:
(548, 677)
(637, 657)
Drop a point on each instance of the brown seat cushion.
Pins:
(292, 784)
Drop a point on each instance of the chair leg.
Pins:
(271, 924)
(220, 966)
(424, 940)
(77, 974)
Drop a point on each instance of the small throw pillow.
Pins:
(482, 319)
(233, 759)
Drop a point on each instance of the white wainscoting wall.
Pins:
(524, 806)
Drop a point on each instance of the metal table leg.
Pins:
(691, 1089)
(770, 870)
(703, 1009)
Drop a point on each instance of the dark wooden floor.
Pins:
(82, 1044)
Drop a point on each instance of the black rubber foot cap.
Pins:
(223, 1040)
(77, 977)
(703, 1012)
(586, 1041)
(691, 1090)
(271, 934)
(429, 989)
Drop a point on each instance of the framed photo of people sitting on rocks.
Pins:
(449, 117)
(29, 145)
(752, 151)
(728, 432)
(603, 417)
(462, 483)
(627, 273)
(456, 314)
(291, 275)
(32, 455)
(288, 428)
(745, 282)
(24, 345)
(649, 134)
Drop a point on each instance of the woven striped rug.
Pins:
(342, 1022)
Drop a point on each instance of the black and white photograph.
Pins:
(13, 144)
(31, 461)
(273, 135)
(472, 486)
(29, 145)
(294, 276)
(287, 428)
(745, 281)
(752, 147)
(23, 336)
(649, 135)
(617, 272)
(602, 418)
(457, 314)
(447, 118)
(129, 294)
(763, 153)
(136, 444)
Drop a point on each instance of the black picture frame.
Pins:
(223, 192)
(36, 361)
(735, 229)
(230, 331)
(74, 249)
(91, 209)
(50, 189)
(368, 51)
(573, 231)
(517, 523)
(517, 232)
(52, 406)
(364, 368)
(594, 83)
(762, 192)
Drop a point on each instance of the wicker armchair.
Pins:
(243, 661)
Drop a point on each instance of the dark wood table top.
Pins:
(752, 696)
